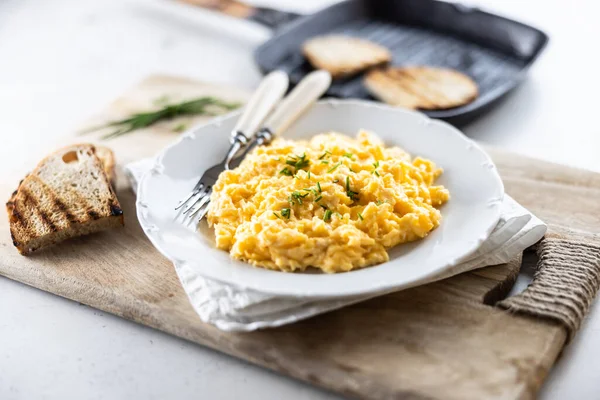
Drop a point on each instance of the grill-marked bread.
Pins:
(67, 195)
(426, 88)
(107, 159)
(344, 56)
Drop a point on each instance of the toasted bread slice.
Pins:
(425, 88)
(107, 159)
(344, 56)
(67, 195)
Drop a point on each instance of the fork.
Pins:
(269, 92)
(295, 104)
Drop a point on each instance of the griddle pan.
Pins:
(495, 51)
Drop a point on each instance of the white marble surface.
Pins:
(62, 60)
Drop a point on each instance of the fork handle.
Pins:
(269, 92)
(297, 102)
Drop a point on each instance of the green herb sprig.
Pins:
(199, 106)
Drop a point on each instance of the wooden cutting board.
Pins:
(445, 340)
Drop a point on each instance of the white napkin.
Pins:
(230, 308)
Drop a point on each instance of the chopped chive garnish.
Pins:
(379, 202)
(376, 165)
(285, 212)
(350, 193)
(286, 172)
(275, 214)
(327, 216)
(324, 162)
(322, 156)
(298, 161)
(334, 167)
(338, 214)
(303, 162)
(324, 207)
(318, 198)
(308, 174)
(335, 180)
(348, 155)
(313, 191)
(351, 170)
(359, 216)
(297, 197)
(319, 186)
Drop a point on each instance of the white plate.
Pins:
(468, 218)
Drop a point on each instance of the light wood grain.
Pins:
(443, 341)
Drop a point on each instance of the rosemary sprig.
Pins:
(180, 128)
(199, 106)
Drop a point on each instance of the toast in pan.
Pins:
(67, 195)
(425, 88)
(344, 56)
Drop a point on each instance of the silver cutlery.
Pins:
(271, 89)
(295, 104)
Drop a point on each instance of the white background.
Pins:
(63, 60)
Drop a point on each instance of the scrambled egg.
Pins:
(333, 203)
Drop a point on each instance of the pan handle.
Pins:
(265, 16)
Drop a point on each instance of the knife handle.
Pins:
(269, 92)
(304, 95)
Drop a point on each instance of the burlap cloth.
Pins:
(566, 281)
